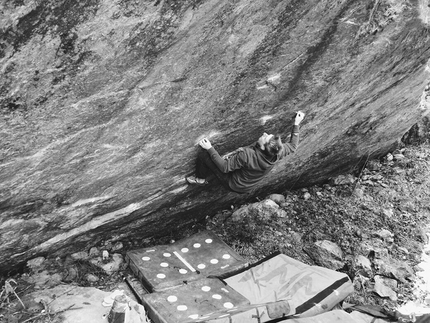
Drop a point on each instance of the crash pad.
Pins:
(197, 301)
(277, 287)
(199, 256)
(300, 290)
(201, 279)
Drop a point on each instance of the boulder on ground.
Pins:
(80, 255)
(384, 287)
(326, 253)
(343, 180)
(277, 198)
(364, 265)
(35, 263)
(265, 209)
(390, 267)
(110, 265)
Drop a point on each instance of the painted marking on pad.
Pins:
(184, 261)
(172, 299)
(228, 305)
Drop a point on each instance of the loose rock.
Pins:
(44, 279)
(94, 252)
(277, 198)
(390, 267)
(117, 246)
(343, 180)
(81, 255)
(92, 278)
(364, 263)
(327, 254)
(384, 287)
(385, 234)
(111, 266)
(71, 272)
(35, 263)
(388, 213)
(264, 209)
(358, 193)
(373, 165)
(398, 156)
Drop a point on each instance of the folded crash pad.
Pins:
(199, 256)
(284, 287)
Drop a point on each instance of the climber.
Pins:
(242, 169)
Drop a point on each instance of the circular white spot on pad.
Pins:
(166, 254)
(183, 271)
(164, 264)
(208, 240)
(228, 305)
(146, 258)
(182, 307)
(214, 261)
(216, 296)
(226, 256)
(184, 250)
(197, 245)
(201, 266)
(206, 288)
(172, 299)
(161, 276)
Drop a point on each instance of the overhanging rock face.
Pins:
(102, 103)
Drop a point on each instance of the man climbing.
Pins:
(241, 170)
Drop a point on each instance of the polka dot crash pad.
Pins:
(199, 256)
(198, 301)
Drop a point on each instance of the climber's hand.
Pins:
(299, 118)
(205, 144)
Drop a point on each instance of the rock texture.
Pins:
(102, 103)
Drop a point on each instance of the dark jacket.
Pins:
(249, 165)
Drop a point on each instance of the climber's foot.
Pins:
(196, 181)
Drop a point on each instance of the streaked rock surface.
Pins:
(102, 103)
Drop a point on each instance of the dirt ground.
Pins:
(391, 194)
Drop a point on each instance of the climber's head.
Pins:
(271, 145)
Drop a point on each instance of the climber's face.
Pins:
(264, 139)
